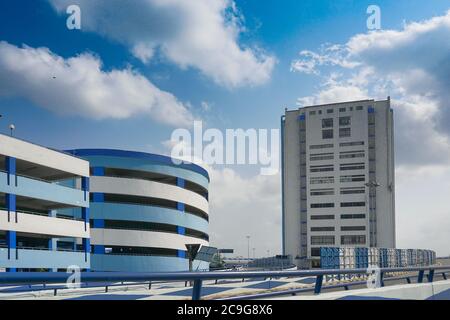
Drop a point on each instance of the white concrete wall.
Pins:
(135, 238)
(43, 156)
(29, 223)
(385, 173)
(291, 185)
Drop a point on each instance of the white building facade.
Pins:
(35, 234)
(338, 179)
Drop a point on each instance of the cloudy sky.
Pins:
(137, 70)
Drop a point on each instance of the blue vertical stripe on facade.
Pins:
(99, 249)
(180, 206)
(98, 197)
(98, 223)
(10, 168)
(98, 171)
(181, 230)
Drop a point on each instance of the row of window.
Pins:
(329, 122)
(150, 226)
(146, 201)
(345, 240)
(331, 145)
(151, 176)
(321, 156)
(353, 178)
(352, 166)
(351, 144)
(322, 192)
(342, 155)
(321, 146)
(353, 190)
(321, 180)
(351, 154)
(342, 216)
(343, 205)
(343, 133)
(140, 251)
(324, 168)
(343, 167)
(343, 228)
(329, 111)
(330, 191)
(342, 179)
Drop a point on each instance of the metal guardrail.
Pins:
(112, 278)
(42, 214)
(48, 249)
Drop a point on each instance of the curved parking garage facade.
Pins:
(144, 209)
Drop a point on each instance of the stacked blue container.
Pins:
(336, 263)
(324, 258)
(338, 258)
(398, 260)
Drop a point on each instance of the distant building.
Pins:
(34, 234)
(337, 178)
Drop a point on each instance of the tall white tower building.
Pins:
(337, 178)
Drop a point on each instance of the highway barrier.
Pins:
(106, 279)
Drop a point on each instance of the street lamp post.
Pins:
(248, 250)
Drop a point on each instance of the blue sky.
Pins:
(280, 29)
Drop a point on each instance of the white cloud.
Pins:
(242, 206)
(422, 208)
(79, 86)
(206, 106)
(412, 65)
(203, 34)
(335, 91)
(416, 60)
(143, 52)
(330, 55)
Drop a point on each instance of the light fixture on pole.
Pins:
(12, 127)
(373, 184)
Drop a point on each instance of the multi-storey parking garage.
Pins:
(144, 209)
(37, 230)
